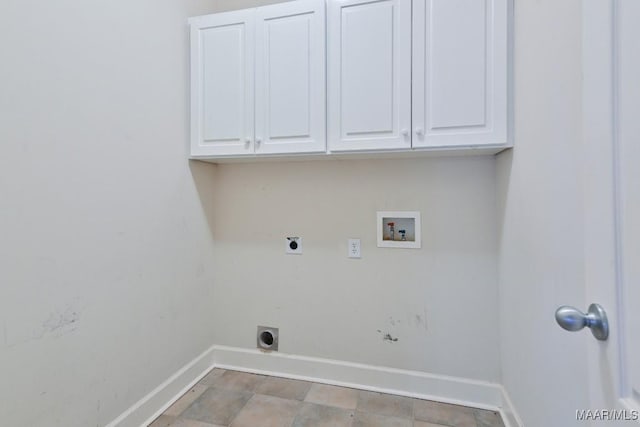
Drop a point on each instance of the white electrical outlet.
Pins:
(354, 248)
(293, 245)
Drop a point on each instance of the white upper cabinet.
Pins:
(369, 74)
(222, 76)
(459, 73)
(290, 78)
(421, 74)
(350, 75)
(269, 60)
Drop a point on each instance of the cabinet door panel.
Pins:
(367, 62)
(222, 84)
(369, 74)
(459, 72)
(290, 78)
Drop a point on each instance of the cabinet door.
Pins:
(369, 81)
(459, 72)
(290, 78)
(222, 73)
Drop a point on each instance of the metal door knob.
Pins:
(572, 319)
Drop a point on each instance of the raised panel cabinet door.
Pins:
(459, 73)
(290, 78)
(222, 76)
(369, 77)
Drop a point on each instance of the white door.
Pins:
(611, 103)
(222, 76)
(290, 78)
(369, 74)
(628, 96)
(459, 73)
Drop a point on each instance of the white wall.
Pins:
(440, 302)
(110, 280)
(541, 263)
(105, 251)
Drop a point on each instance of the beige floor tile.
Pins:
(488, 418)
(169, 421)
(217, 406)
(365, 419)
(186, 400)
(385, 404)
(209, 379)
(312, 415)
(183, 422)
(162, 421)
(238, 399)
(425, 424)
(284, 388)
(267, 411)
(443, 413)
(235, 380)
(329, 395)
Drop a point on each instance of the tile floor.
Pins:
(238, 399)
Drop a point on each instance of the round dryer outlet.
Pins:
(267, 338)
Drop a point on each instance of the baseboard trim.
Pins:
(508, 411)
(459, 391)
(441, 388)
(147, 409)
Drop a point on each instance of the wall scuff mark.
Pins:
(61, 322)
(387, 337)
(420, 320)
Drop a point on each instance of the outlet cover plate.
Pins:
(293, 245)
(354, 248)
